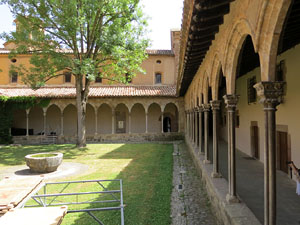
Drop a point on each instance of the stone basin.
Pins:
(43, 162)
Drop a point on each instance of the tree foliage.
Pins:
(84, 37)
(89, 38)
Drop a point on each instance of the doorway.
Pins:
(167, 124)
(254, 140)
(283, 151)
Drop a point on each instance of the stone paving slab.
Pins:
(190, 205)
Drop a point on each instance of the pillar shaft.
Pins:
(206, 108)
(215, 106)
(196, 127)
(62, 124)
(201, 130)
(45, 121)
(231, 102)
(146, 122)
(113, 122)
(27, 122)
(129, 123)
(270, 94)
(162, 122)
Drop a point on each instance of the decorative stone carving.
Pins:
(270, 92)
(205, 107)
(231, 101)
(215, 104)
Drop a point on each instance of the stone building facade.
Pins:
(146, 109)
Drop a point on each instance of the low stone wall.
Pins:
(217, 189)
(101, 138)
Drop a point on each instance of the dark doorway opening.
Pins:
(167, 124)
(283, 152)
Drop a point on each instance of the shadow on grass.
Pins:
(147, 186)
(14, 155)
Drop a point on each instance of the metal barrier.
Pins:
(103, 196)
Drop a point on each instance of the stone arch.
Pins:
(104, 119)
(138, 118)
(274, 15)
(36, 120)
(154, 118)
(19, 122)
(53, 115)
(171, 112)
(233, 47)
(215, 76)
(70, 120)
(121, 118)
(90, 119)
(205, 88)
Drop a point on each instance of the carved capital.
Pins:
(205, 107)
(215, 104)
(231, 101)
(270, 92)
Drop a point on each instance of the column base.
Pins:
(206, 161)
(216, 175)
(232, 199)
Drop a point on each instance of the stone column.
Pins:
(190, 124)
(45, 121)
(196, 127)
(206, 108)
(201, 149)
(193, 126)
(187, 123)
(113, 121)
(146, 114)
(27, 122)
(231, 102)
(270, 94)
(162, 122)
(62, 124)
(215, 107)
(96, 122)
(129, 122)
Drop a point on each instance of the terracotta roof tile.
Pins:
(101, 91)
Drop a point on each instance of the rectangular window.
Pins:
(14, 77)
(128, 78)
(68, 77)
(158, 78)
(251, 90)
(98, 80)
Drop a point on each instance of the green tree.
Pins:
(88, 38)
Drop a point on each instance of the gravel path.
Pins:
(190, 205)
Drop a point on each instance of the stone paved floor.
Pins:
(190, 205)
(250, 187)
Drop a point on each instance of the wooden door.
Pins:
(282, 150)
(255, 141)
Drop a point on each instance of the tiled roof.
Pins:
(99, 91)
(148, 51)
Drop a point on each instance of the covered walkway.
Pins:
(250, 187)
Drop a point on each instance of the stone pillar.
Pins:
(162, 122)
(190, 124)
(96, 122)
(196, 127)
(215, 107)
(187, 123)
(27, 122)
(200, 108)
(193, 126)
(146, 114)
(231, 102)
(62, 124)
(45, 121)
(206, 108)
(270, 94)
(113, 121)
(129, 122)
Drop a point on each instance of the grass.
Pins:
(146, 171)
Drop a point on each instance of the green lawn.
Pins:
(146, 170)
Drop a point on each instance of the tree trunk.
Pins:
(81, 100)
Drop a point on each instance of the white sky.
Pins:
(164, 16)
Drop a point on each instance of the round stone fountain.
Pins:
(43, 162)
